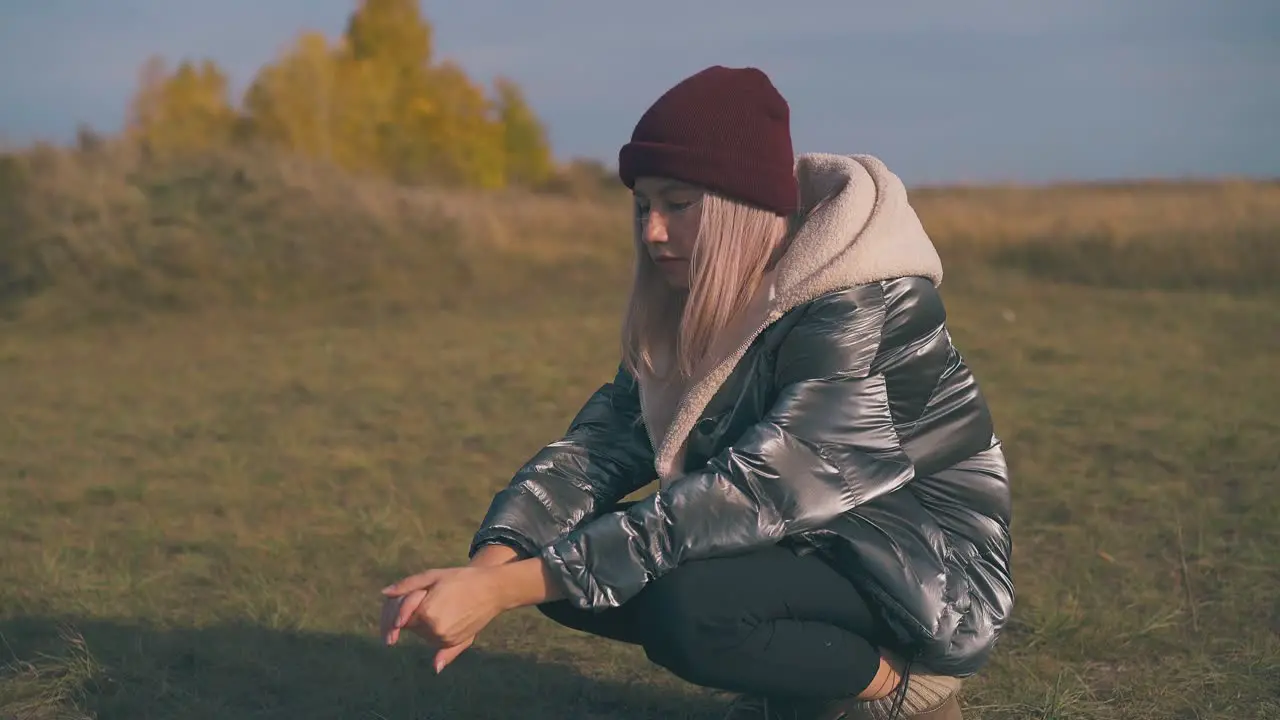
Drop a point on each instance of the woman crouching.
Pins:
(829, 537)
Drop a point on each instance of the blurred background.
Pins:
(288, 290)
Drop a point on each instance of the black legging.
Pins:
(771, 622)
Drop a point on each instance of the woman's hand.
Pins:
(450, 606)
(488, 556)
(447, 607)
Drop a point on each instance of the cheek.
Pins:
(683, 237)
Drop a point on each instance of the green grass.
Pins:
(198, 506)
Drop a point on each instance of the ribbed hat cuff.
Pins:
(765, 186)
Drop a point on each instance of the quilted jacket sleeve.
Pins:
(604, 455)
(826, 446)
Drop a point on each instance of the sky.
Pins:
(943, 92)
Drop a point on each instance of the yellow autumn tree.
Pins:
(433, 123)
(460, 132)
(366, 107)
(186, 110)
(319, 101)
(388, 45)
(526, 151)
(393, 32)
(374, 101)
(291, 102)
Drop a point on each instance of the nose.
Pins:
(654, 226)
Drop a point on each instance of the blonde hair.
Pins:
(668, 330)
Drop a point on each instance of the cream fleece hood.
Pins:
(858, 228)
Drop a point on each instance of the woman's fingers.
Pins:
(390, 609)
(397, 613)
(402, 601)
(444, 656)
(421, 581)
(408, 606)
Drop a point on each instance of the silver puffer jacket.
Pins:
(845, 422)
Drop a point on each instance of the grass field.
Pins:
(200, 498)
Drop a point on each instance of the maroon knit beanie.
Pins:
(724, 129)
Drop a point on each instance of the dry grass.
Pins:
(1123, 211)
(1158, 235)
(107, 230)
(200, 497)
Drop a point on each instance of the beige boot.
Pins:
(950, 710)
(929, 697)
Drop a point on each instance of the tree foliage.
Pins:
(524, 139)
(187, 109)
(376, 101)
(292, 102)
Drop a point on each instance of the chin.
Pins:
(677, 282)
(677, 278)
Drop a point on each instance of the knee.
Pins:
(689, 628)
(559, 612)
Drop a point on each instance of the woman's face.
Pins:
(668, 212)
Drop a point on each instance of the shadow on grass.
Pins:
(66, 668)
